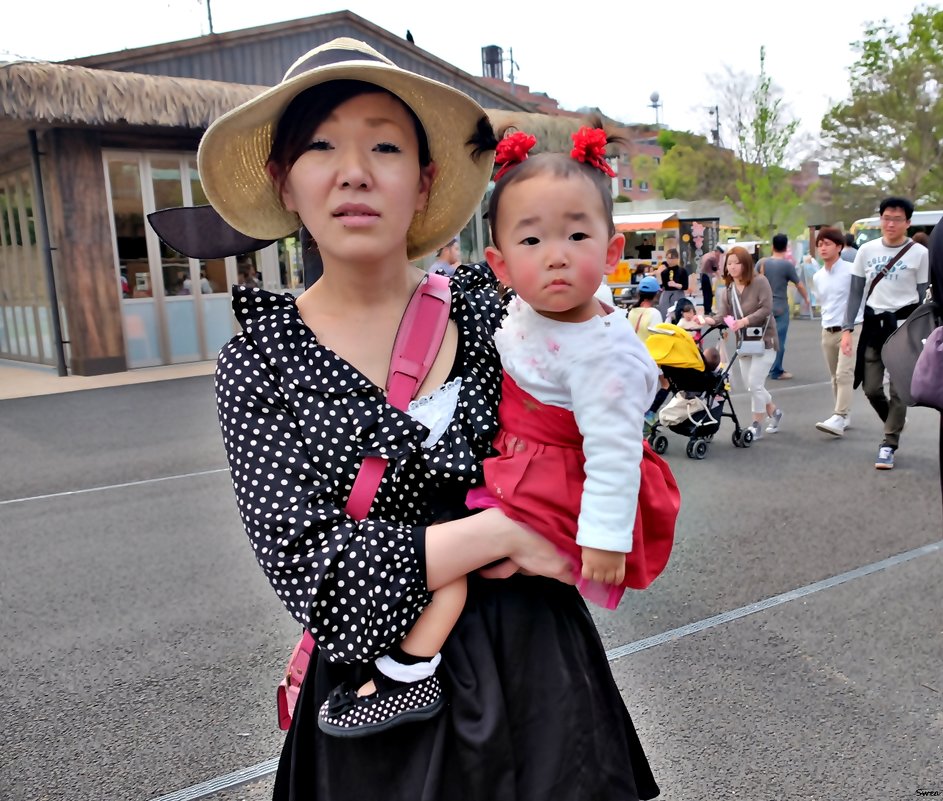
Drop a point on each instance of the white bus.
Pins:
(870, 227)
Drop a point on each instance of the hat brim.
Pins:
(235, 149)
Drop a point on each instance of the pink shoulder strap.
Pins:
(417, 343)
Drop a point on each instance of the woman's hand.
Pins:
(710, 321)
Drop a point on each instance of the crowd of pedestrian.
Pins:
(863, 294)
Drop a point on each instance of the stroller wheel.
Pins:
(735, 438)
(746, 438)
(659, 443)
(697, 449)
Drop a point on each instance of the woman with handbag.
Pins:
(363, 155)
(748, 303)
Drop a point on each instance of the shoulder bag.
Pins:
(417, 343)
(904, 349)
(751, 340)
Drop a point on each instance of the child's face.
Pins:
(555, 246)
(688, 314)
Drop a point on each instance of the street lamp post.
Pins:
(655, 105)
(715, 131)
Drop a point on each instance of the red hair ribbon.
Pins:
(589, 146)
(512, 150)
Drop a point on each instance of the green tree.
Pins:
(693, 169)
(666, 139)
(767, 201)
(643, 167)
(676, 176)
(889, 134)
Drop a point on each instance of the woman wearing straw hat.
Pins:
(382, 166)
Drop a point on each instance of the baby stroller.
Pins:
(699, 396)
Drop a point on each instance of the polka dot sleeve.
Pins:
(357, 586)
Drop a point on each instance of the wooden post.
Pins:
(81, 236)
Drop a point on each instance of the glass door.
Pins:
(175, 309)
(213, 278)
(142, 329)
(170, 270)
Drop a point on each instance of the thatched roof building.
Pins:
(104, 140)
(42, 92)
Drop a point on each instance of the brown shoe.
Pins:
(783, 376)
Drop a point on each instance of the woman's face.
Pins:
(358, 184)
(734, 267)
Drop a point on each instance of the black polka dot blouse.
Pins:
(297, 421)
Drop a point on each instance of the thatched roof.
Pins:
(33, 94)
(57, 93)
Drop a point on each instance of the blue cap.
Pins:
(649, 284)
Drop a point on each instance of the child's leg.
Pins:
(418, 653)
(404, 686)
(430, 632)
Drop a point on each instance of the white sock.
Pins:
(407, 674)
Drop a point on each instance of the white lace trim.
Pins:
(436, 410)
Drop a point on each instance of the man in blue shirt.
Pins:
(780, 272)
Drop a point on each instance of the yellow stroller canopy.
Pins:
(672, 346)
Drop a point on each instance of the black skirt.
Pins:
(533, 715)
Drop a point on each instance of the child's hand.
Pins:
(605, 566)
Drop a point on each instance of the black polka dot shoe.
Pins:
(346, 714)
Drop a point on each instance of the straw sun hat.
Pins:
(234, 151)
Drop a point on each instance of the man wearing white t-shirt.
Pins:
(832, 285)
(889, 300)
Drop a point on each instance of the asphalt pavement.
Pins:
(793, 648)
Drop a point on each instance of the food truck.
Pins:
(649, 235)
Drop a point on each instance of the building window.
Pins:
(643, 185)
(624, 158)
(626, 183)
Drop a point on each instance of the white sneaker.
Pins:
(775, 419)
(835, 425)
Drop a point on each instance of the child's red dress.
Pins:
(537, 480)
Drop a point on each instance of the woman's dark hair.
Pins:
(308, 109)
(646, 296)
(680, 308)
(561, 165)
(746, 261)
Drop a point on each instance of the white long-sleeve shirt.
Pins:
(601, 371)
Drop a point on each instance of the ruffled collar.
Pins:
(274, 325)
